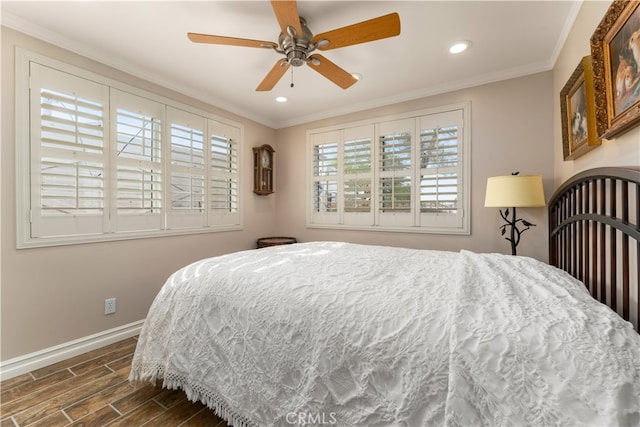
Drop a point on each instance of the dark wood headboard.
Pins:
(594, 235)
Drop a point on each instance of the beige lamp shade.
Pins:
(516, 191)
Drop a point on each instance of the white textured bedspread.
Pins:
(330, 333)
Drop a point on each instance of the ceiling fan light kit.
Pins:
(296, 42)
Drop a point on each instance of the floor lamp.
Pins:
(511, 192)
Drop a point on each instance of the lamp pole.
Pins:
(515, 232)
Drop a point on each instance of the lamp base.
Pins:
(514, 232)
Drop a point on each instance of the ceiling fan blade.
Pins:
(287, 15)
(331, 71)
(230, 41)
(363, 32)
(273, 76)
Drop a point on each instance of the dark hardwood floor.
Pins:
(92, 390)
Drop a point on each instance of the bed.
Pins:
(334, 333)
(594, 234)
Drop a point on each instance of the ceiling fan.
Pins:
(296, 43)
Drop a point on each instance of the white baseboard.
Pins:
(39, 359)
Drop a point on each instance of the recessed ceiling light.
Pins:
(281, 99)
(459, 47)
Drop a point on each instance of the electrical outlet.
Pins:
(109, 306)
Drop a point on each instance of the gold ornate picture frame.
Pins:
(615, 53)
(577, 107)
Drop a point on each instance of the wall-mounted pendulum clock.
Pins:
(263, 170)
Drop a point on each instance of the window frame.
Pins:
(336, 220)
(215, 222)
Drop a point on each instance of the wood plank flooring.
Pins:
(92, 390)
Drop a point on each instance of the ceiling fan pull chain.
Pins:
(292, 76)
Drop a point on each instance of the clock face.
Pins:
(266, 159)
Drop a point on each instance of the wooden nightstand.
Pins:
(264, 242)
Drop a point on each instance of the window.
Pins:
(402, 173)
(106, 161)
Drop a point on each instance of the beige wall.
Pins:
(621, 151)
(54, 295)
(511, 131)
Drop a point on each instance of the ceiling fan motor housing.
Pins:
(297, 47)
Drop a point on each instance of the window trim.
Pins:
(464, 229)
(23, 58)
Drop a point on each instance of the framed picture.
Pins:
(577, 106)
(615, 53)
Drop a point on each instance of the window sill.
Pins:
(112, 237)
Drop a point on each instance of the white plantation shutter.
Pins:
(108, 161)
(137, 163)
(357, 162)
(325, 178)
(441, 169)
(395, 171)
(406, 173)
(223, 177)
(187, 177)
(67, 154)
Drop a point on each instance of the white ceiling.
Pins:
(148, 39)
